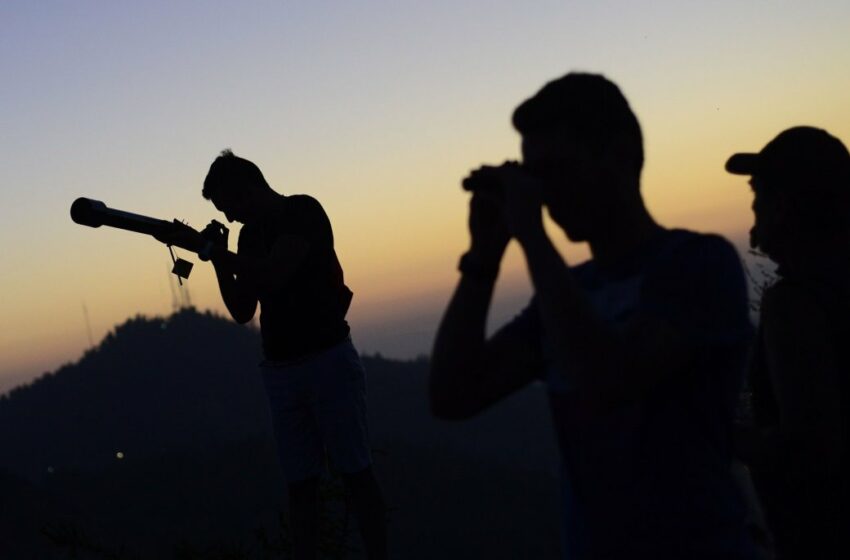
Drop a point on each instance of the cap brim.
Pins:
(743, 164)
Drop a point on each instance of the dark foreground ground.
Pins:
(156, 445)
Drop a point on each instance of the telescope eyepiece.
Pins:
(87, 212)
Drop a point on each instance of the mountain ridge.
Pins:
(161, 433)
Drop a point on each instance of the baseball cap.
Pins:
(799, 154)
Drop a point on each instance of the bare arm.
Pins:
(241, 277)
(469, 373)
(240, 298)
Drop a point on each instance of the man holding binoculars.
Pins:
(315, 382)
(642, 348)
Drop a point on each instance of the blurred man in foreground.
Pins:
(798, 448)
(315, 382)
(642, 347)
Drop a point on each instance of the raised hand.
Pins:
(505, 198)
(183, 236)
(487, 226)
(522, 201)
(216, 233)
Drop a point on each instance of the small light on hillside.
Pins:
(119, 455)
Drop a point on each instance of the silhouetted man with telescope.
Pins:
(642, 348)
(286, 263)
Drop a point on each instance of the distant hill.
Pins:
(157, 443)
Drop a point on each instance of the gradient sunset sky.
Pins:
(377, 109)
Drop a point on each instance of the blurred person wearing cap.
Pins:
(797, 448)
(642, 348)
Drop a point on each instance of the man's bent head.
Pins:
(235, 186)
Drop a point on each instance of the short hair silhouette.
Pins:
(588, 105)
(230, 171)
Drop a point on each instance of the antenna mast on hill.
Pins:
(175, 303)
(180, 297)
(187, 298)
(88, 325)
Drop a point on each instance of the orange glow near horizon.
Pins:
(381, 135)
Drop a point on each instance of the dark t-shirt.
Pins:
(652, 479)
(307, 314)
(808, 523)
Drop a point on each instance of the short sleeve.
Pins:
(249, 243)
(700, 288)
(313, 222)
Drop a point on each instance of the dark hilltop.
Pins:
(156, 444)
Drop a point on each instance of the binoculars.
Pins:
(486, 178)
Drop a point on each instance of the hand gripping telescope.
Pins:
(94, 213)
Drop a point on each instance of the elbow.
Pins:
(242, 317)
(242, 314)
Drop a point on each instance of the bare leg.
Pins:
(368, 506)
(304, 516)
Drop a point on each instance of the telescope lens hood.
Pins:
(87, 212)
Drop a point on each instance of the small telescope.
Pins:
(94, 213)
